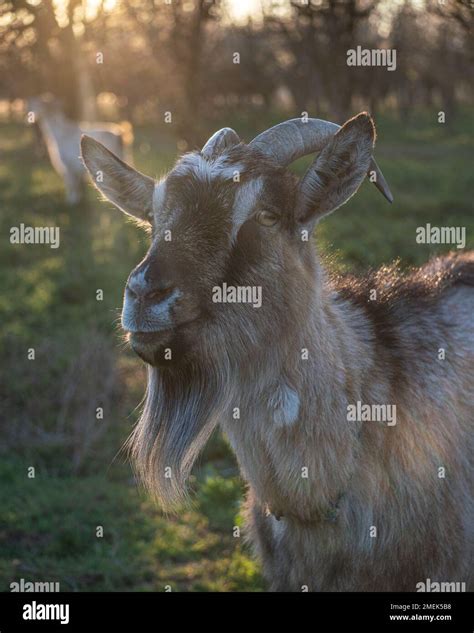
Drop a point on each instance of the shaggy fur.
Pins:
(333, 505)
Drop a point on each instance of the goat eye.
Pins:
(266, 218)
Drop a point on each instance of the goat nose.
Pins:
(155, 290)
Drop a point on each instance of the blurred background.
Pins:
(179, 70)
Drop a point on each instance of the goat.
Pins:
(336, 502)
(62, 138)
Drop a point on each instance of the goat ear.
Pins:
(338, 170)
(127, 188)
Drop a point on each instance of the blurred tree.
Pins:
(174, 34)
(178, 57)
(459, 10)
(318, 34)
(44, 51)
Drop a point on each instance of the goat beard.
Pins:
(182, 407)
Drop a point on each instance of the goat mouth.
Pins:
(147, 338)
(150, 346)
(147, 345)
(157, 336)
(164, 347)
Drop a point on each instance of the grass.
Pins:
(51, 531)
(48, 524)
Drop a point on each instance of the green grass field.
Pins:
(49, 523)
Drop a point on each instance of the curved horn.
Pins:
(290, 140)
(380, 181)
(219, 142)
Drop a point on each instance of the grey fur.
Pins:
(291, 368)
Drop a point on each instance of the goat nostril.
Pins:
(159, 295)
